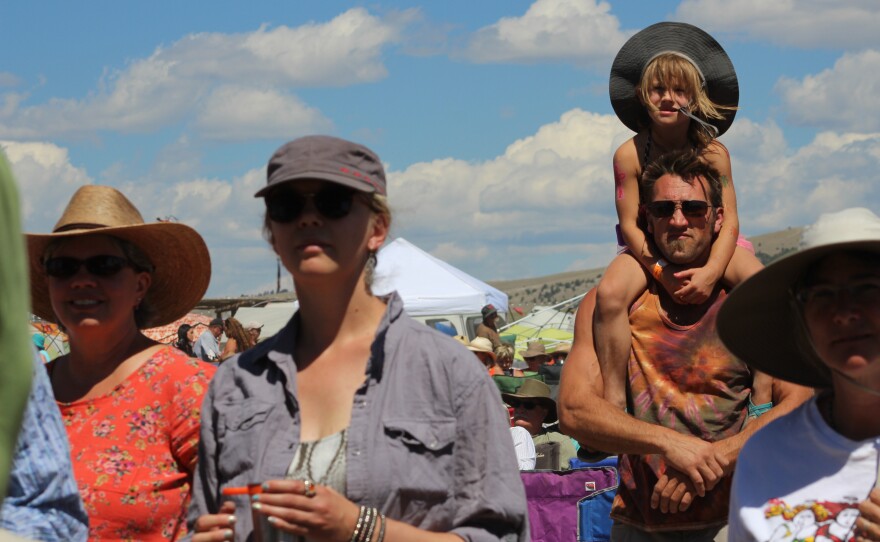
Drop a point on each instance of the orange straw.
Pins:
(242, 490)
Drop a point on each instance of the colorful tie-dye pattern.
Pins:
(683, 378)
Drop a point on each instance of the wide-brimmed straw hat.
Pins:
(534, 349)
(760, 322)
(482, 344)
(182, 265)
(538, 392)
(687, 41)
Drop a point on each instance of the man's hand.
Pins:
(673, 492)
(703, 462)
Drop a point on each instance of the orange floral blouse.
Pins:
(135, 449)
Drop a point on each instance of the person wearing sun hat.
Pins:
(488, 327)
(675, 86)
(482, 349)
(129, 404)
(533, 409)
(813, 318)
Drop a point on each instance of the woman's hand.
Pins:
(868, 523)
(325, 516)
(219, 526)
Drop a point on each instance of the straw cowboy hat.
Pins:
(481, 344)
(687, 41)
(760, 322)
(535, 349)
(182, 265)
(538, 392)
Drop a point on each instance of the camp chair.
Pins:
(571, 505)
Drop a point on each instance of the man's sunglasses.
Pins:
(666, 208)
(528, 405)
(332, 201)
(103, 265)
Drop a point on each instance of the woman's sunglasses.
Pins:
(103, 265)
(528, 405)
(666, 208)
(332, 201)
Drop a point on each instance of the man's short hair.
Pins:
(686, 165)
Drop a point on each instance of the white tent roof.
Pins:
(426, 284)
(429, 285)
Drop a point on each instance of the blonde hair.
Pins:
(674, 70)
(504, 355)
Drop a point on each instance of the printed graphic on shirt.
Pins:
(812, 521)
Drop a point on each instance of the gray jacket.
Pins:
(428, 443)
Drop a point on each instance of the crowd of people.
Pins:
(708, 376)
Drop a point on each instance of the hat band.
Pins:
(79, 226)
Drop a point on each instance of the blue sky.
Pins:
(492, 117)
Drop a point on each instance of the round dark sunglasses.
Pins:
(103, 265)
(528, 405)
(333, 202)
(666, 208)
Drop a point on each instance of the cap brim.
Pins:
(178, 253)
(318, 176)
(626, 71)
(759, 324)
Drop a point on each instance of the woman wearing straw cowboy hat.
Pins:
(532, 409)
(129, 404)
(482, 349)
(813, 318)
(673, 85)
(354, 422)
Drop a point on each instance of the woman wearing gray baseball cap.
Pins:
(354, 422)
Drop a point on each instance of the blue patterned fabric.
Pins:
(43, 502)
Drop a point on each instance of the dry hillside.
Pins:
(553, 289)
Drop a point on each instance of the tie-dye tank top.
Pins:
(683, 378)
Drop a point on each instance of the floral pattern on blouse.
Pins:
(134, 450)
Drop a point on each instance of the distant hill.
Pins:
(553, 289)
(546, 290)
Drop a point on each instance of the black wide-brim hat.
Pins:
(687, 41)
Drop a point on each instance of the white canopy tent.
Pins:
(429, 285)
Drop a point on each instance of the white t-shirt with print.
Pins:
(798, 479)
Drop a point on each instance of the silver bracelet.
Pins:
(355, 536)
(369, 524)
(381, 536)
(375, 516)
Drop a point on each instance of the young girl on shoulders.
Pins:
(676, 88)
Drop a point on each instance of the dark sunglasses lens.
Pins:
(661, 209)
(334, 201)
(101, 266)
(61, 267)
(694, 207)
(105, 266)
(285, 206)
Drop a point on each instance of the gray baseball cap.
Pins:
(328, 159)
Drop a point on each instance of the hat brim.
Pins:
(549, 403)
(348, 182)
(760, 324)
(182, 267)
(626, 71)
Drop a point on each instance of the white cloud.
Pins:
(46, 180)
(802, 23)
(165, 87)
(580, 31)
(9, 79)
(845, 97)
(778, 187)
(241, 113)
